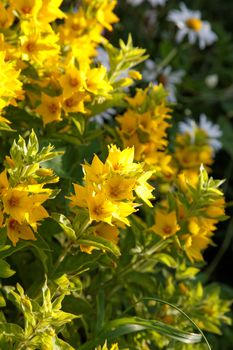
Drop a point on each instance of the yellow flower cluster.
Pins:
(83, 30)
(193, 215)
(22, 189)
(21, 208)
(144, 126)
(10, 85)
(108, 192)
(190, 152)
(62, 55)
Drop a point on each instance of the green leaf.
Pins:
(2, 300)
(43, 251)
(127, 325)
(5, 270)
(59, 344)
(6, 127)
(65, 224)
(166, 259)
(11, 330)
(100, 243)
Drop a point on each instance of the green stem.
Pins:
(135, 264)
(167, 59)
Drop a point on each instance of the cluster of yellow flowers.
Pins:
(21, 208)
(10, 85)
(108, 192)
(146, 117)
(191, 217)
(22, 190)
(57, 61)
(191, 152)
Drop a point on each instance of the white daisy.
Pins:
(212, 130)
(166, 76)
(103, 57)
(189, 23)
(152, 2)
(104, 116)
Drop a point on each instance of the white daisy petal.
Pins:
(189, 22)
(212, 131)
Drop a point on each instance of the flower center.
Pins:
(167, 229)
(13, 224)
(31, 46)
(162, 79)
(73, 82)
(53, 108)
(13, 201)
(69, 102)
(98, 210)
(26, 10)
(194, 24)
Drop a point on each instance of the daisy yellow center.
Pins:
(194, 23)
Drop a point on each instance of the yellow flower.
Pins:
(122, 161)
(122, 211)
(195, 244)
(96, 172)
(17, 204)
(4, 183)
(49, 109)
(80, 197)
(25, 207)
(143, 189)
(107, 231)
(104, 14)
(10, 86)
(37, 212)
(16, 231)
(198, 237)
(138, 99)
(186, 179)
(36, 46)
(100, 208)
(128, 122)
(50, 11)
(135, 75)
(165, 223)
(6, 16)
(216, 209)
(96, 81)
(119, 188)
(75, 103)
(27, 7)
(72, 81)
